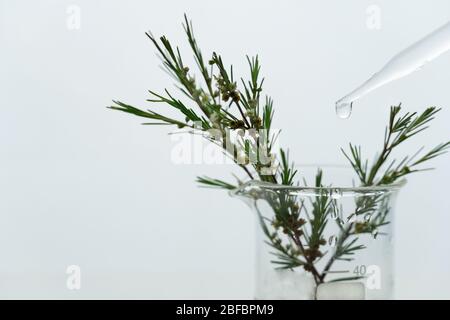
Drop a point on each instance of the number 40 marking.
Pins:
(372, 273)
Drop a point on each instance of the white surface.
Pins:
(83, 185)
(341, 291)
(287, 285)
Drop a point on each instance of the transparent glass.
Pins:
(322, 242)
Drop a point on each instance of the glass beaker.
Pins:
(322, 242)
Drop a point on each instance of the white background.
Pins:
(83, 185)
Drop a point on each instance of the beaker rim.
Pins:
(246, 188)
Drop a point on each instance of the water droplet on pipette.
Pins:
(343, 109)
(409, 60)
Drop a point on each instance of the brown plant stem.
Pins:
(314, 271)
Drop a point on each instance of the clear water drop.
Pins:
(367, 217)
(344, 109)
(336, 194)
(374, 233)
(335, 213)
(240, 132)
(332, 240)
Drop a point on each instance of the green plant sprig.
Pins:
(214, 102)
(400, 129)
(218, 102)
